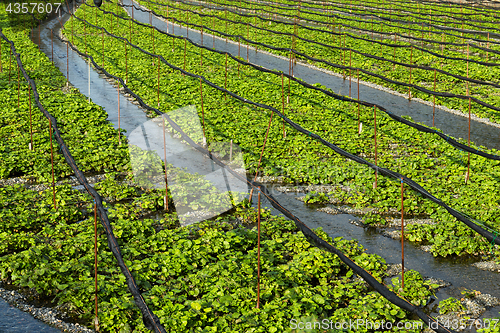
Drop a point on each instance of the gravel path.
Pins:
(17, 316)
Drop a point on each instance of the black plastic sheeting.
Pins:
(151, 321)
(386, 172)
(400, 119)
(308, 233)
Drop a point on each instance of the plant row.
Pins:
(25, 140)
(252, 28)
(295, 156)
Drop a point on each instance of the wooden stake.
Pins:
(258, 250)
(67, 63)
(261, 153)
(343, 59)
(165, 203)
(202, 111)
(467, 82)
(283, 103)
(126, 63)
(102, 37)
(394, 53)
(183, 74)
(411, 63)
(10, 63)
(96, 319)
(434, 100)
(359, 124)
(468, 142)
(375, 140)
(442, 49)
(402, 239)
(289, 74)
(119, 132)
(350, 71)
(488, 46)
(158, 90)
(231, 150)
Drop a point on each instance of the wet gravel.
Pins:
(18, 316)
(29, 184)
(488, 266)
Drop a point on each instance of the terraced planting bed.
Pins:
(203, 277)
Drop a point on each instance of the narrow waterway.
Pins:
(458, 272)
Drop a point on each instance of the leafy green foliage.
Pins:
(416, 290)
(374, 219)
(316, 197)
(448, 238)
(450, 305)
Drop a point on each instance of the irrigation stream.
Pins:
(459, 272)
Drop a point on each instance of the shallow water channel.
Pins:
(458, 272)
